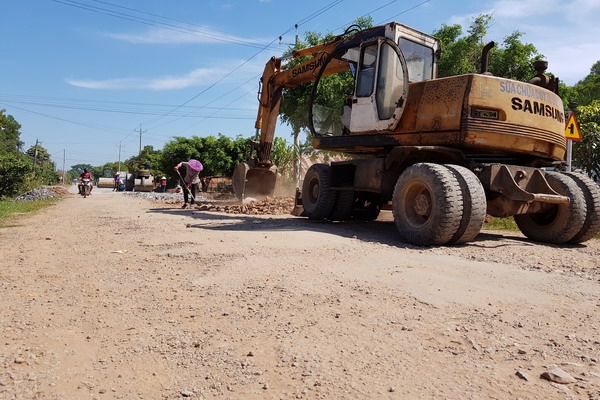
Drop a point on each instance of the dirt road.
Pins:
(148, 302)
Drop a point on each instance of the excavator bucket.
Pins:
(250, 182)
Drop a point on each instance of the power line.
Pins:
(199, 31)
(309, 18)
(153, 22)
(388, 19)
(407, 10)
(105, 106)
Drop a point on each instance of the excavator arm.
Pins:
(255, 178)
(275, 79)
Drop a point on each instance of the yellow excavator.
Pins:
(441, 152)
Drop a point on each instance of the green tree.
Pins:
(9, 134)
(219, 155)
(586, 90)
(462, 54)
(15, 173)
(21, 171)
(40, 159)
(586, 153)
(514, 59)
(283, 156)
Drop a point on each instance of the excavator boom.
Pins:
(255, 178)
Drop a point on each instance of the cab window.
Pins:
(366, 71)
(419, 60)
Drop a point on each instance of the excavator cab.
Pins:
(372, 69)
(379, 85)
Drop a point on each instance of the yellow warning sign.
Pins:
(572, 129)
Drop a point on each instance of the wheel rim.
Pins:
(546, 218)
(418, 205)
(314, 190)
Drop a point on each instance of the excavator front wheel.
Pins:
(317, 197)
(427, 204)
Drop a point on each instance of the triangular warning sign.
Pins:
(572, 129)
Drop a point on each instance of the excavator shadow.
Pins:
(382, 230)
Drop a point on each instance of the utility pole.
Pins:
(120, 147)
(64, 158)
(140, 132)
(35, 156)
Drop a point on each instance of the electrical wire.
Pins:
(166, 25)
(201, 32)
(309, 18)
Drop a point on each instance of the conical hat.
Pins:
(195, 165)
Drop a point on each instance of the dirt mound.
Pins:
(269, 206)
(60, 190)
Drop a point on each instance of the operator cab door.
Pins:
(381, 87)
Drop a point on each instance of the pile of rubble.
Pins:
(43, 193)
(167, 198)
(269, 206)
(218, 202)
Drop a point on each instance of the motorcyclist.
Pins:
(85, 175)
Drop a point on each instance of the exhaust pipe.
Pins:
(485, 57)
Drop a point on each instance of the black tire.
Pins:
(129, 183)
(427, 204)
(591, 192)
(474, 205)
(317, 197)
(342, 208)
(560, 222)
(238, 180)
(365, 210)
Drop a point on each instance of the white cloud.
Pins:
(105, 84)
(571, 63)
(530, 9)
(196, 78)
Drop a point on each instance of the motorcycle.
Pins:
(85, 187)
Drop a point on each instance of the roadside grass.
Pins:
(500, 224)
(11, 210)
(507, 224)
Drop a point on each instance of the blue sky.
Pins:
(85, 77)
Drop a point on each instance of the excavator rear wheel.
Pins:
(427, 204)
(317, 197)
(474, 205)
(365, 209)
(559, 223)
(591, 192)
(342, 208)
